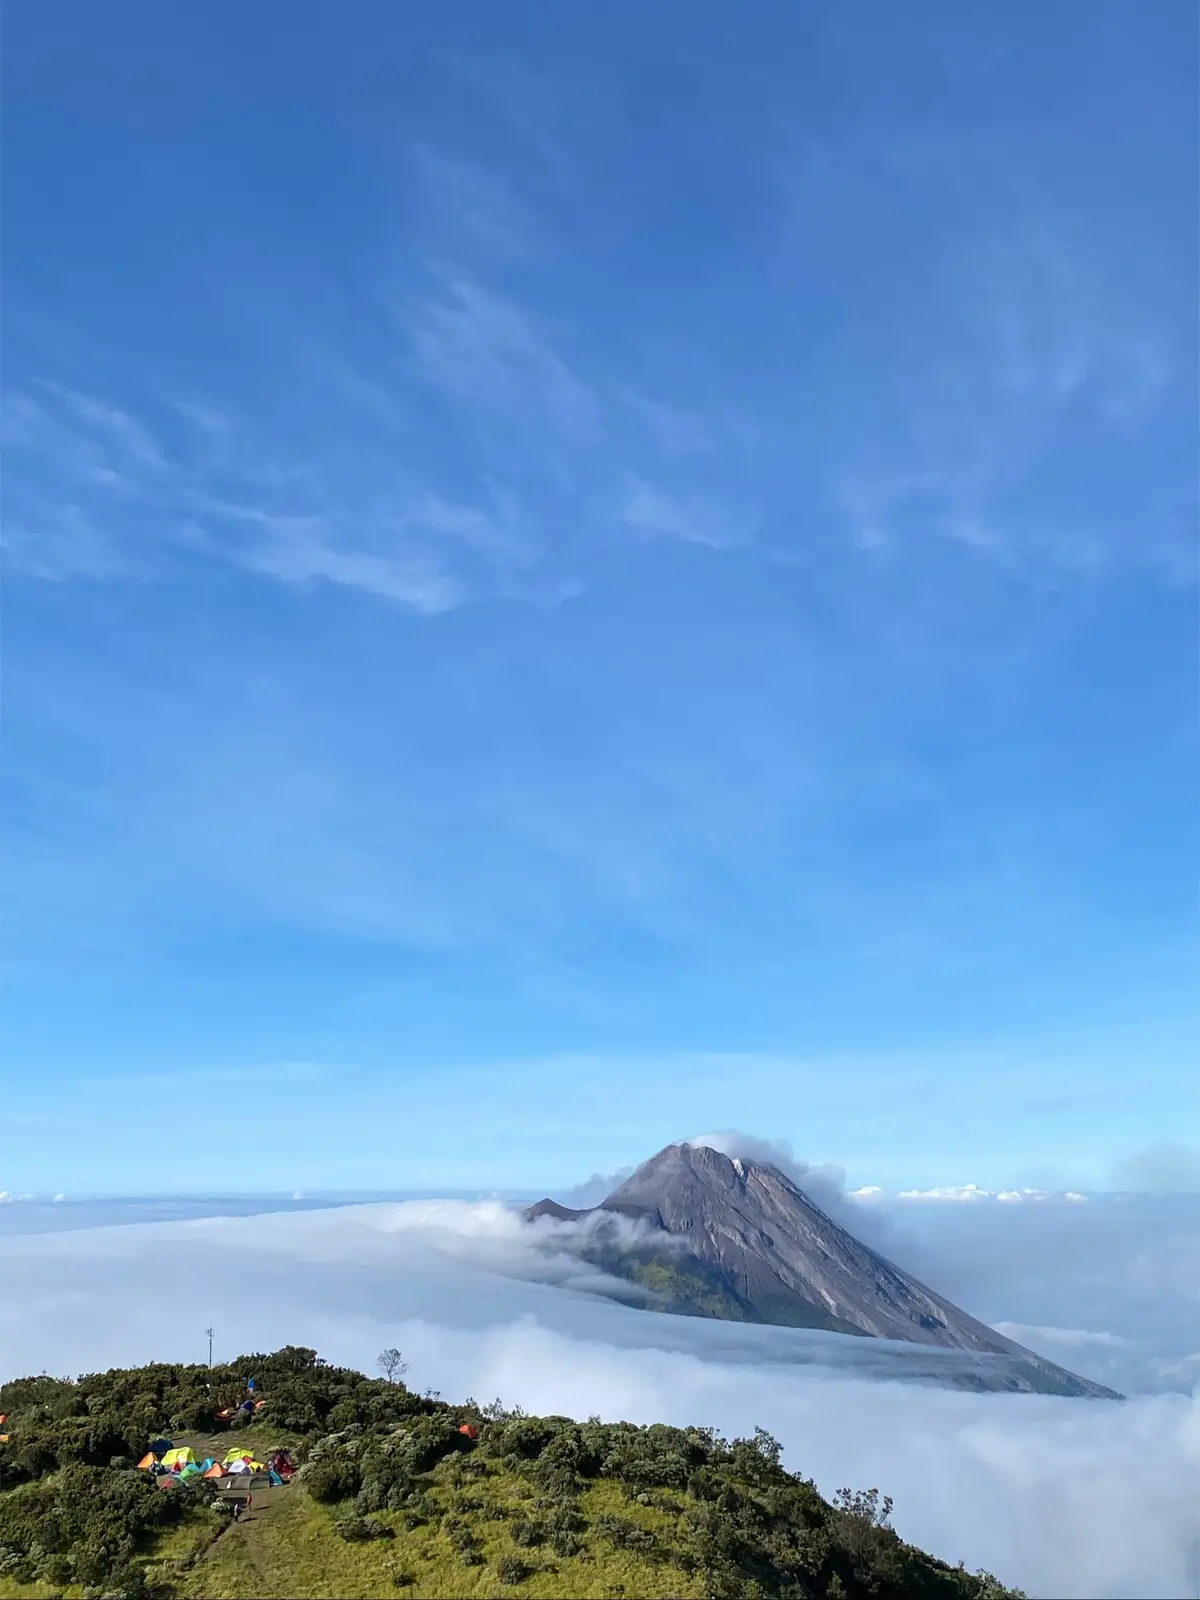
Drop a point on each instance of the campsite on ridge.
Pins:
(374, 1489)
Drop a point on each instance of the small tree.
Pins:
(864, 1525)
(392, 1364)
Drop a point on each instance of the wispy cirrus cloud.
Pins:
(472, 211)
(690, 518)
(451, 438)
(470, 455)
(487, 354)
(125, 506)
(1057, 337)
(1041, 368)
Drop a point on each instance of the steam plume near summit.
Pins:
(824, 1182)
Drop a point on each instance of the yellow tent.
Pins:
(179, 1457)
(148, 1459)
(237, 1455)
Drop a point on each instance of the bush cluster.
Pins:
(357, 1530)
(88, 1525)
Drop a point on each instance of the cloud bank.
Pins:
(1065, 1498)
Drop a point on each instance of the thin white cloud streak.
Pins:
(689, 518)
(1064, 1497)
(971, 1193)
(474, 211)
(485, 351)
(1039, 346)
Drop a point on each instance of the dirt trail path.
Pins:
(246, 1536)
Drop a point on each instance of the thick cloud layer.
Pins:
(1063, 1497)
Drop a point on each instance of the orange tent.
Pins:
(471, 1433)
(215, 1471)
(148, 1460)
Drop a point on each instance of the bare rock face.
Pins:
(745, 1226)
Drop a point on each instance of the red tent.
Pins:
(471, 1433)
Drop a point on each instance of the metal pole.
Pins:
(209, 1332)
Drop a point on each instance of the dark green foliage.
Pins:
(512, 1570)
(332, 1479)
(56, 1397)
(360, 1529)
(627, 1535)
(528, 1533)
(87, 1524)
(464, 1540)
(657, 1457)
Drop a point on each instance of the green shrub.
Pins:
(358, 1530)
(332, 1479)
(627, 1535)
(14, 1563)
(528, 1533)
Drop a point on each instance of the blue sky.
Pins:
(572, 579)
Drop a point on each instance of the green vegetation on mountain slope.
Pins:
(681, 1283)
(393, 1497)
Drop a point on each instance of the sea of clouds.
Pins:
(1064, 1497)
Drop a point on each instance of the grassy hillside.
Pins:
(393, 1498)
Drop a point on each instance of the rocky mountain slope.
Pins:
(731, 1238)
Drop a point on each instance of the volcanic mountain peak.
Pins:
(739, 1239)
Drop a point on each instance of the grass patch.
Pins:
(291, 1548)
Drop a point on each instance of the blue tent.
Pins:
(160, 1446)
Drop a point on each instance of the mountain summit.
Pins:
(725, 1237)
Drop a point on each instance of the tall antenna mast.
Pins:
(209, 1332)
